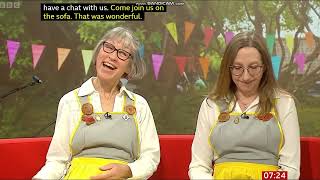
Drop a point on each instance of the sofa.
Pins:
(22, 158)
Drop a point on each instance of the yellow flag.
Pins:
(289, 41)
(172, 28)
(87, 58)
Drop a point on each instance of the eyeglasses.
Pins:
(252, 70)
(121, 54)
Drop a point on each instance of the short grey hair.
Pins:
(138, 67)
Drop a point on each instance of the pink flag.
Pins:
(37, 50)
(299, 59)
(229, 35)
(208, 32)
(181, 62)
(157, 62)
(12, 47)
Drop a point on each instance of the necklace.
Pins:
(245, 105)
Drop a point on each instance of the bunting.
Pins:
(62, 55)
(188, 28)
(204, 63)
(270, 43)
(181, 62)
(208, 33)
(289, 42)
(141, 51)
(309, 39)
(228, 36)
(172, 28)
(156, 62)
(87, 58)
(276, 61)
(37, 50)
(13, 47)
(299, 59)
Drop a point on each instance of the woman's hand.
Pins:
(114, 171)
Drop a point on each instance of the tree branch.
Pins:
(247, 11)
(283, 52)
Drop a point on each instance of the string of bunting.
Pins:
(181, 61)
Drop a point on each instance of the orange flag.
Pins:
(309, 39)
(62, 55)
(204, 62)
(188, 28)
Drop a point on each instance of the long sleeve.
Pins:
(149, 158)
(58, 153)
(202, 154)
(290, 152)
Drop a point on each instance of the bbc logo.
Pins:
(9, 5)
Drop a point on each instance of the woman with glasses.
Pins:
(103, 130)
(247, 124)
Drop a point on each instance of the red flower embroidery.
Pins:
(130, 109)
(223, 117)
(265, 117)
(88, 119)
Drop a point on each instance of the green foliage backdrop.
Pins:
(26, 113)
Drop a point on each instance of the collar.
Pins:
(87, 88)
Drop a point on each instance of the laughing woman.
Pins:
(103, 130)
(247, 124)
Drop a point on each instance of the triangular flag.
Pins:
(208, 33)
(141, 51)
(12, 47)
(200, 84)
(215, 64)
(309, 39)
(87, 58)
(157, 62)
(270, 43)
(204, 62)
(289, 41)
(172, 28)
(181, 62)
(229, 35)
(299, 59)
(188, 28)
(276, 66)
(155, 37)
(37, 50)
(62, 55)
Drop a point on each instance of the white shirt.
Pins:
(202, 155)
(68, 116)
